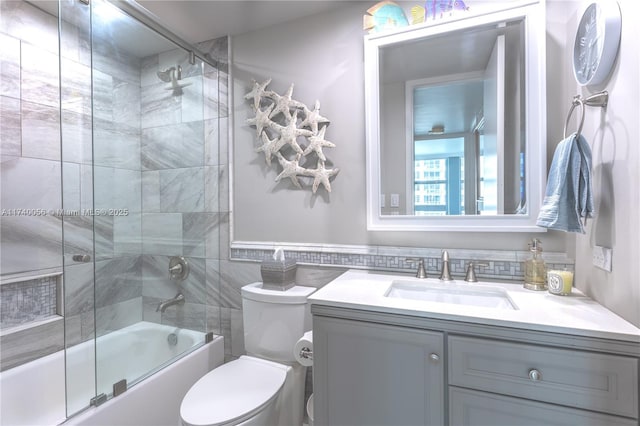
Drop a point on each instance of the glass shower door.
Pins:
(140, 197)
(148, 192)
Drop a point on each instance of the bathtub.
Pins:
(34, 393)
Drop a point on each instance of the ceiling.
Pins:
(202, 20)
(454, 105)
(448, 73)
(193, 21)
(452, 53)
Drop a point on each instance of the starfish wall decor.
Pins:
(281, 124)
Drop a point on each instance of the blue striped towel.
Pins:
(568, 198)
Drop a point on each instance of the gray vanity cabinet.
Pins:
(388, 369)
(377, 374)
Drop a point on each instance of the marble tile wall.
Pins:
(27, 344)
(30, 183)
(29, 140)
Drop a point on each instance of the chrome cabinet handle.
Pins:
(434, 357)
(535, 375)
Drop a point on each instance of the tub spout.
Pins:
(178, 300)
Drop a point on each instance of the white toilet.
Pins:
(266, 386)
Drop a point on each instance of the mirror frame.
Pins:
(533, 14)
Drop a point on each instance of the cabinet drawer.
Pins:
(474, 408)
(600, 382)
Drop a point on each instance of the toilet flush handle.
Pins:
(306, 353)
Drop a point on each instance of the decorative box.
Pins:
(278, 274)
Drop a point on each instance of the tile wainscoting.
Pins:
(502, 264)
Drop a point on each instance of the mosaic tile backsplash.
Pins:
(27, 301)
(490, 264)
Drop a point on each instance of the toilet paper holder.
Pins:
(306, 353)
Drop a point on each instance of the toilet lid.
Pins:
(232, 392)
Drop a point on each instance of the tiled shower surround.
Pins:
(154, 154)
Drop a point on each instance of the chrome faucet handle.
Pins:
(470, 277)
(178, 268)
(421, 272)
(445, 274)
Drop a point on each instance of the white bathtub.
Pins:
(34, 393)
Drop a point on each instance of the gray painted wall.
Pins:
(325, 61)
(324, 65)
(393, 128)
(323, 56)
(613, 137)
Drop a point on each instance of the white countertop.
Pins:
(575, 314)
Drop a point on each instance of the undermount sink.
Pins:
(458, 294)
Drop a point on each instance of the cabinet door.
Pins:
(474, 408)
(373, 374)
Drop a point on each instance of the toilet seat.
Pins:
(232, 392)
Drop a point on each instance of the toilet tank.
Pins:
(274, 320)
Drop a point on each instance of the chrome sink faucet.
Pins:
(445, 274)
(178, 300)
(471, 277)
(421, 272)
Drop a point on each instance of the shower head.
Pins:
(173, 75)
(168, 75)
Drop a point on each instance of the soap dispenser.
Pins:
(535, 271)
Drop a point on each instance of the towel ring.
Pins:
(599, 99)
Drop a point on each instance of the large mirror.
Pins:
(456, 123)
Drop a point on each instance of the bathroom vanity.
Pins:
(393, 350)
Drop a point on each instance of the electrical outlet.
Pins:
(602, 258)
(395, 200)
(383, 200)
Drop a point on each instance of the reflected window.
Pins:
(439, 177)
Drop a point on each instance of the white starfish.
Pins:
(257, 92)
(313, 118)
(290, 169)
(269, 147)
(316, 142)
(321, 176)
(261, 120)
(284, 103)
(289, 133)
